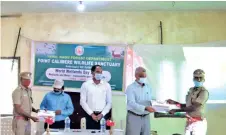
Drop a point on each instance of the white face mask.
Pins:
(98, 76)
(142, 80)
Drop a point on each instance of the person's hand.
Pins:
(99, 116)
(94, 117)
(37, 110)
(58, 112)
(150, 109)
(170, 101)
(172, 111)
(35, 119)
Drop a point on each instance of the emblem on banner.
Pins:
(79, 50)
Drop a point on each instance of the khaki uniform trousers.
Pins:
(21, 126)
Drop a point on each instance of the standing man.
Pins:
(195, 106)
(95, 98)
(22, 106)
(138, 105)
(59, 102)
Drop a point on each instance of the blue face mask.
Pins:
(98, 76)
(198, 84)
(142, 80)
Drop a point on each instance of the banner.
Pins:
(72, 63)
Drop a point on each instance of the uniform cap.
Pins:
(25, 75)
(199, 73)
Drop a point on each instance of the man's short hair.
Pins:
(94, 67)
(139, 70)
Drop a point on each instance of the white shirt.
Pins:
(96, 97)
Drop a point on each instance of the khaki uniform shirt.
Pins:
(23, 97)
(199, 95)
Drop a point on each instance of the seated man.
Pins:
(59, 102)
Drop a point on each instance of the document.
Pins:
(42, 114)
(163, 107)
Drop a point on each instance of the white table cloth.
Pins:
(85, 132)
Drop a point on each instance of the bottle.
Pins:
(67, 123)
(102, 125)
(83, 124)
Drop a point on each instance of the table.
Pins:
(85, 132)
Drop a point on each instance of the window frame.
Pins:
(18, 60)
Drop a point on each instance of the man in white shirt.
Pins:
(95, 98)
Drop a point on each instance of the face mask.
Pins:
(198, 84)
(26, 83)
(142, 80)
(98, 76)
(57, 92)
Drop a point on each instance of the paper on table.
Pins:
(42, 114)
(163, 106)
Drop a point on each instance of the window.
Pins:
(212, 61)
(9, 81)
(167, 81)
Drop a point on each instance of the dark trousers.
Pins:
(92, 124)
(56, 125)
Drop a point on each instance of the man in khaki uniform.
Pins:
(22, 106)
(195, 105)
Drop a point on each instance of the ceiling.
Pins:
(18, 7)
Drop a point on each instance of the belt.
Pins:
(141, 115)
(21, 118)
(191, 120)
(96, 112)
(194, 119)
